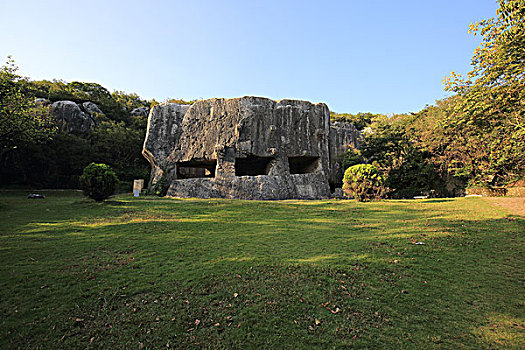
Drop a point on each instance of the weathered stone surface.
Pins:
(342, 135)
(140, 111)
(92, 109)
(163, 124)
(70, 117)
(249, 147)
(303, 186)
(339, 194)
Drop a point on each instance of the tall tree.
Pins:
(488, 118)
(22, 121)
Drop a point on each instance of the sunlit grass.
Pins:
(246, 274)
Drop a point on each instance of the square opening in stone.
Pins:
(303, 165)
(196, 168)
(253, 166)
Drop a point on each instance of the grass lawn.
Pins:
(166, 273)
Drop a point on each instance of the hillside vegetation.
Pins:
(473, 138)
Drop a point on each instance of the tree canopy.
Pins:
(22, 121)
(487, 120)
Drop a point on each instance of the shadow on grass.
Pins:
(239, 274)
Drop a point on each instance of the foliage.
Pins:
(359, 120)
(21, 120)
(351, 157)
(38, 161)
(57, 163)
(364, 182)
(98, 181)
(120, 147)
(476, 136)
(180, 101)
(395, 145)
(128, 101)
(487, 120)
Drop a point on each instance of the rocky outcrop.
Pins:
(341, 136)
(249, 147)
(71, 118)
(92, 109)
(140, 111)
(163, 125)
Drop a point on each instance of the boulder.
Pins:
(70, 117)
(36, 196)
(91, 109)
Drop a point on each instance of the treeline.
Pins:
(434, 152)
(475, 138)
(35, 153)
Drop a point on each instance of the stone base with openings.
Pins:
(246, 148)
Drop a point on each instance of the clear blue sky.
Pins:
(381, 56)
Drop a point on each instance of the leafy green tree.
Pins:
(21, 120)
(396, 146)
(120, 146)
(488, 118)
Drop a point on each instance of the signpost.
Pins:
(137, 187)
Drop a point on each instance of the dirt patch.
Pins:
(515, 205)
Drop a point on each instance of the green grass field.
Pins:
(165, 273)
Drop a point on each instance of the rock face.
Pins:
(342, 135)
(71, 118)
(140, 111)
(91, 109)
(163, 124)
(247, 148)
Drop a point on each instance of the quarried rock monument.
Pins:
(246, 148)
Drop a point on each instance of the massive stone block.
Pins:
(248, 148)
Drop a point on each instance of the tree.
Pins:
(351, 157)
(488, 118)
(395, 146)
(120, 147)
(22, 121)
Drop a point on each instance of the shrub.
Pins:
(98, 181)
(364, 182)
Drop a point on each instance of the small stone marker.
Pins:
(137, 187)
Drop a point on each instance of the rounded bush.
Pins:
(98, 181)
(364, 182)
